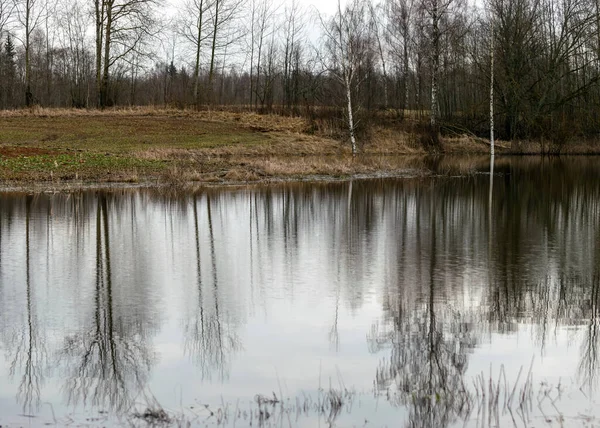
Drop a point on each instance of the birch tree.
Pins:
(435, 9)
(443, 19)
(348, 45)
(492, 92)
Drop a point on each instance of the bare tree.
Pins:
(376, 16)
(122, 27)
(262, 15)
(348, 43)
(6, 9)
(436, 10)
(223, 14)
(29, 14)
(191, 25)
(72, 23)
(293, 28)
(399, 14)
(492, 93)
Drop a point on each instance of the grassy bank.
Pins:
(172, 147)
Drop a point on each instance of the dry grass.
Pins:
(336, 166)
(175, 147)
(257, 122)
(277, 168)
(37, 111)
(392, 141)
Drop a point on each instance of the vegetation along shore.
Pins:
(173, 147)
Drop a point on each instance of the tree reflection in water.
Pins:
(451, 263)
(29, 356)
(539, 270)
(210, 341)
(109, 363)
(425, 371)
(588, 367)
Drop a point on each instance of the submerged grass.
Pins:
(495, 399)
(490, 402)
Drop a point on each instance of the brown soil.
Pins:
(15, 152)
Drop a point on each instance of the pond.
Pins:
(437, 301)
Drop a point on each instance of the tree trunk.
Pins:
(197, 62)
(212, 52)
(492, 93)
(350, 114)
(107, 41)
(435, 67)
(252, 52)
(28, 94)
(259, 55)
(405, 72)
(99, 9)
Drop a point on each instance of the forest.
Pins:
(533, 64)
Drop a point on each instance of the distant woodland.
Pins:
(440, 61)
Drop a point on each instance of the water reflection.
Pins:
(451, 291)
(109, 361)
(102, 292)
(210, 341)
(27, 344)
(429, 339)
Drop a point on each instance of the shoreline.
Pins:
(44, 150)
(68, 187)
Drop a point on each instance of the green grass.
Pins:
(107, 147)
(121, 133)
(83, 166)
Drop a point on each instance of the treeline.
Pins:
(429, 59)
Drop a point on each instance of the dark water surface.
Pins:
(401, 296)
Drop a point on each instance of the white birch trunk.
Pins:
(350, 115)
(349, 201)
(490, 222)
(491, 156)
(434, 100)
(492, 96)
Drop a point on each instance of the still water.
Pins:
(403, 299)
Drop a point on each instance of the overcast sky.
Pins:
(326, 7)
(312, 30)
